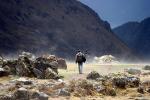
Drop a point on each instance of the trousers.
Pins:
(80, 67)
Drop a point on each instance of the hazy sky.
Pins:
(117, 12)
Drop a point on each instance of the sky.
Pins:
(118, 12)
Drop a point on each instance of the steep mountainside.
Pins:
(136, 36)
(55, 26)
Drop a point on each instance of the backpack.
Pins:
(80, 58)
(83, 58)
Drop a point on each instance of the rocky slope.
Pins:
(136, 35)
(55, 26)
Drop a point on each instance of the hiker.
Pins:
(80, 59)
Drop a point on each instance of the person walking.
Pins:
(80, 59)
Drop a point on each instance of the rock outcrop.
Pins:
(45, 67)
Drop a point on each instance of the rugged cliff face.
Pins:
(55, 26)
(137, 36)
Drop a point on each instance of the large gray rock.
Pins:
(120, 82)
(23, 68)
(38, 73)
(147, 67)
(50, 74)
(133, 71)
(10, 66)
(61, 63)
(133, 81)
(42, 65)
(93, 75)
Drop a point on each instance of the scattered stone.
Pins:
(133, 71)
(146, 83)
(146, 73)
(39, 96)
(110, 92)
(147, 67)
(64, 92)
(6, 97)
(93, 75)
(148, 90)
(141, 90)
(99, 88)
(24, 81)
(3, 72)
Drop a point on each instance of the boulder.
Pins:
(3, 72)
(120, 82)
(133, 71)
(54, 64)
(133, 81)
(50, 74)
(50, 58)
(147, 67)
(42, 65)
(22, 94)
(38, 73)
(27, 55)
(93, 75)
(61, 63)
(23, 67)
(10, 66)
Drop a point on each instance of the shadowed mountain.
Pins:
(56, 26)
(136, 35)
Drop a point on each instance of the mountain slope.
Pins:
(136, 36)
(55, 26)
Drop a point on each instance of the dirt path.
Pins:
(72, 71)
